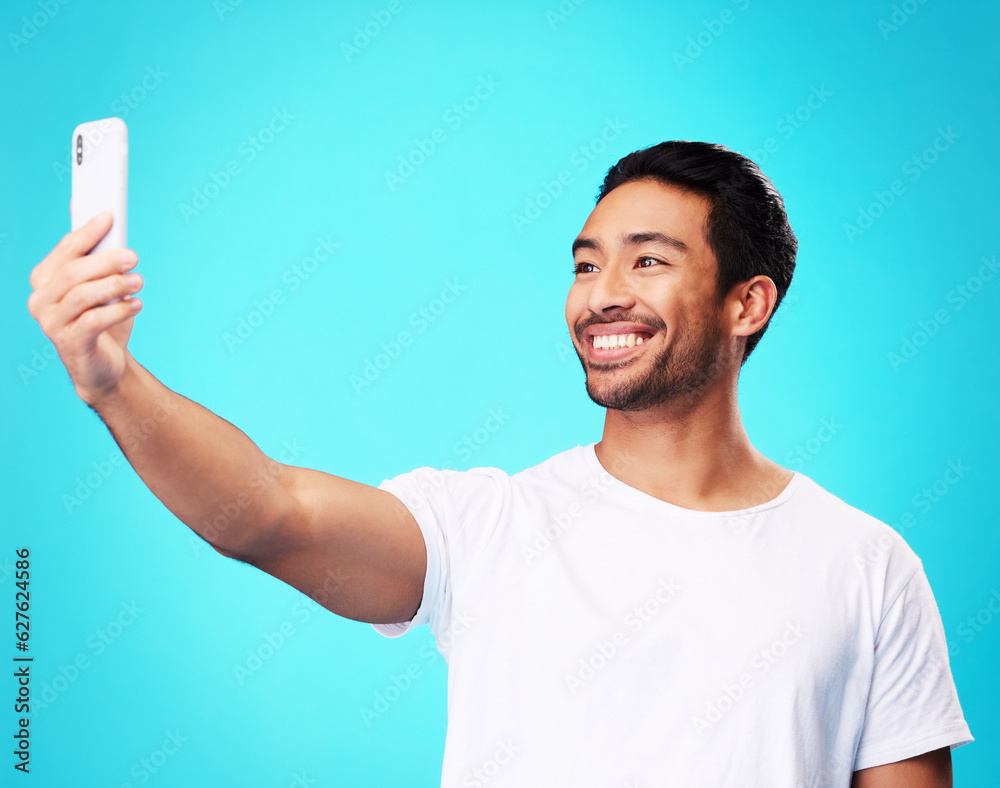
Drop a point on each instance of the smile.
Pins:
(609, 346)
(612, 341)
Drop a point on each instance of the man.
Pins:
(664, 607)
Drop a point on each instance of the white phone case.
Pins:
(100, 178)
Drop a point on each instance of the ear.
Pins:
(749, 305)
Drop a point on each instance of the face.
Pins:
(645, 292)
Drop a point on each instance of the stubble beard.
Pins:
(676, 373)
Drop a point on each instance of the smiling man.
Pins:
(664, 607)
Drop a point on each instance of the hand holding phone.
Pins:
(100, 179)
(81, 290)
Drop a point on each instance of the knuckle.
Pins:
(59, 279)
(119, 285)
(46, 324)
(75, 299)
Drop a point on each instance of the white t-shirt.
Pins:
(598, 636)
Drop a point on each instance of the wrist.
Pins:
(100, 397)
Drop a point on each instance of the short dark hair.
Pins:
(748, 229)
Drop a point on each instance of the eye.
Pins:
(580, 268)
(654, 260)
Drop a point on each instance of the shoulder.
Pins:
(489, 487)
(425, 485)
(874, 549)
(421, 484)
(560, 466)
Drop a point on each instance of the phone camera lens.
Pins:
(79, 149)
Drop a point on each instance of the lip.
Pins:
(605, 329)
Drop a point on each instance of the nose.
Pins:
(610, 289)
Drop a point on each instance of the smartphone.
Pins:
(100, 179)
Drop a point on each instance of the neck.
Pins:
(693, 453)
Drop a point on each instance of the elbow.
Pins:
(257, 531)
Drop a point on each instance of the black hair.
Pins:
(748, 229)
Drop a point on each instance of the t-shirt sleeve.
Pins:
(913, 704)
(458, 513)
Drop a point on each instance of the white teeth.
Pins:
(611, 341)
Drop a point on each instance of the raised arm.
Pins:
(300, 525)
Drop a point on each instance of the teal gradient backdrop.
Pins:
(441, 164)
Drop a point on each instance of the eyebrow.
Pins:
(633, 239)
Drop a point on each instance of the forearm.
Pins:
(204, 469)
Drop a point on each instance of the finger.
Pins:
(77, 270)
(93, 293)
(76, 243)
(80, 336)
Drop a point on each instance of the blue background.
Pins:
(884, 89)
